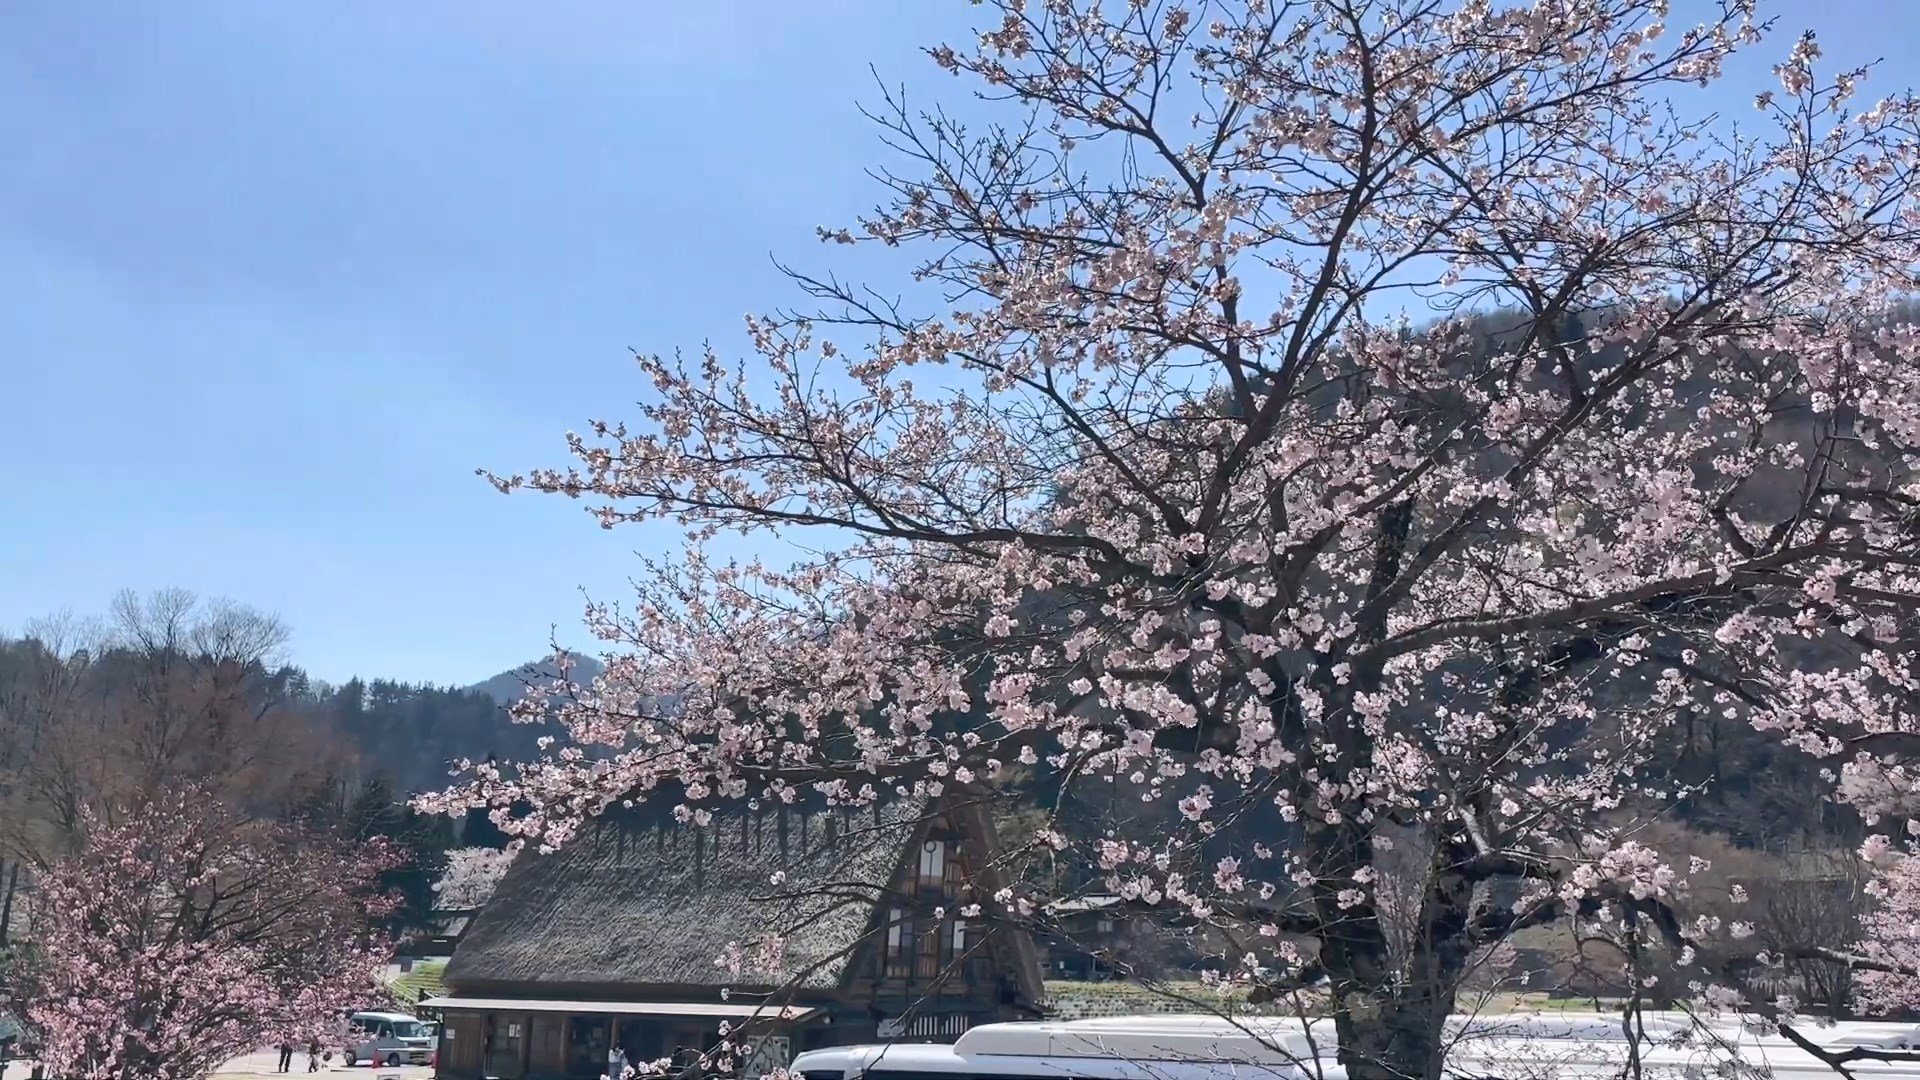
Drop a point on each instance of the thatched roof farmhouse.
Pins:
(811, 926)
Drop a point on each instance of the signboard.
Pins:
(765, 1055)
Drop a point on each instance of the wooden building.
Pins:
(444, 930)
(1083, 936)
(800, 927)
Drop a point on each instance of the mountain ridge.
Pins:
(509, 686)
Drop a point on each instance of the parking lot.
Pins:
(263, 1063)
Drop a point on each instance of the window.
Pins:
(690, 1044)
(953, 953)
(933, 861)
(926, 959)
(547, 1031)
(588, 1040)
(506, 1049)
(898, 961)
(1037, 1074)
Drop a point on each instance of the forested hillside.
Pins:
(410, 733)
(175, 702)
(404, 734)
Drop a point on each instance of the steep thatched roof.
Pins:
(637, 899)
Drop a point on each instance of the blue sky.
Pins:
(280, 276)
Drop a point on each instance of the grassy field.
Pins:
(425, 980)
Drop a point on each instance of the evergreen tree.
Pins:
(422, 841)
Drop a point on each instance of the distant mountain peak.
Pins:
(510, 686)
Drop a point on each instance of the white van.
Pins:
(391, 1039)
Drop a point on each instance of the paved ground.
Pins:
(263, 1064)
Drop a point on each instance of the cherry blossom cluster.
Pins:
(471, 876)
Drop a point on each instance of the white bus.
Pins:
(1122, 1048)
(1507, 1047)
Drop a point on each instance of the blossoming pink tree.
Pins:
(181, 935)
(1390, 417)
(470, 877)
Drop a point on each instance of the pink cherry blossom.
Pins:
(181, 935)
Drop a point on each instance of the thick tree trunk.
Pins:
(1395, 1032)
(1395, 1038)
(1389, 1020)
(1390, 1016)
(1390, 1012)
(7, 893)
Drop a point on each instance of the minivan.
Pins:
(380, 1038)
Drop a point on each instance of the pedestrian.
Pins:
(313, 1056)
(286, 1056)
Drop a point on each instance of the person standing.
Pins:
(286, 1056)
(313, 1056)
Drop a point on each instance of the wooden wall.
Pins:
(462, 1039)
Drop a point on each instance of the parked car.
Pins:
(388, 1039)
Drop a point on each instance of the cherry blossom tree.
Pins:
(181, 934)
(1331, 422)
(470, 877)
(1892, 928)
